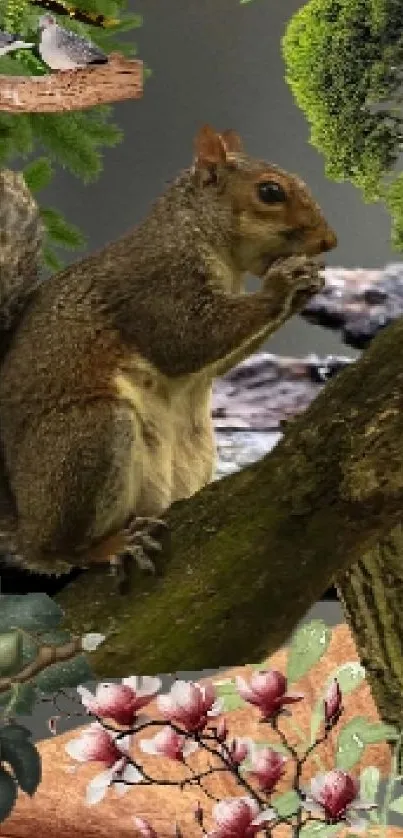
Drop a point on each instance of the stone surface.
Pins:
(252, 401)
(58, 809)
(358, 302)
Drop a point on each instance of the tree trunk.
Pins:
(372, 596)
(251, 553)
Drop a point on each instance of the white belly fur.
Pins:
(173, 450)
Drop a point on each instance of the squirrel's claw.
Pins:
(139, 541)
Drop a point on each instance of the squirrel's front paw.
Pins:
(140, 541)
(297, 278)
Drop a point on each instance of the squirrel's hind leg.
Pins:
(77, 483)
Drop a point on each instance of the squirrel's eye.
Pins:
(271, 193)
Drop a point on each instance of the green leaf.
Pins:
(228, 693)
(350, 744)
(62, 675)
(51, 260)
(19, 700)
(369, 783)
(354, 737)
(349, 676)
(319, 830)
(286, 804)
(8, 793)
(60, 230)
(14, 733)
(32, 612)
(38, 174)
(10, 66)
(24, 759)
(307, 647)
(317, 717)
(11, 647)
(396, 805)
(374, 732)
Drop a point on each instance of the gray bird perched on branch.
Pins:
(8, 43)
(61, 49)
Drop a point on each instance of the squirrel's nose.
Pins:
(329, 241)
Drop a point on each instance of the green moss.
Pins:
(344, 66)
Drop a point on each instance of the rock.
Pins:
(252, 402)
(358, 302)
(58, 810)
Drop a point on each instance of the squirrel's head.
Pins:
(271, 212)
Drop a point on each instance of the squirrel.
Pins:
(106, 382)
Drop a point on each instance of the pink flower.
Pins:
(189, 704)
(96, 745)
(168, 743)
(268, 691)
(267, 767)
(333, 701)
(238, 750)
(335, 796)
(144, 828)
(99, 745)
(239, 817)
(120, 702)
(222, 730)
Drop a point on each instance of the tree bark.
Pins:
(372, 597)
(252, 552)
(73, 90)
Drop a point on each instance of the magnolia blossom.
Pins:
(333, 699)
(222, 730)
(334, 795)
(189, 704)
(96, 744)
(120, 702)
(239, 749)
(239, 817)
(170, 744)
(267, 767)
(268, 691)
(144, 828)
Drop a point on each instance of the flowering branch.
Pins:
(186, 726)
(72, 90)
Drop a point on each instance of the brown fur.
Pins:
(105, 391)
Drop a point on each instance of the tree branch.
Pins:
(252, 552)
(73, 90)
(47, 655)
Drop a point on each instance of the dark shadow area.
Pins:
(18, 581)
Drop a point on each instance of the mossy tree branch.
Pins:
(251, 553)
(73, 90)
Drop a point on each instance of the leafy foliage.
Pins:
(344, 66)
(75, 140)
(23, 766)
(27, 622)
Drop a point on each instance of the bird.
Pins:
(62, 49)
(9, 42)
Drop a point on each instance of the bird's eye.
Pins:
(270, 192)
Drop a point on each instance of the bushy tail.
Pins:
(21, 237)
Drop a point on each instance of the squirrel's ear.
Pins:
(232, 141)
(210, 149)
